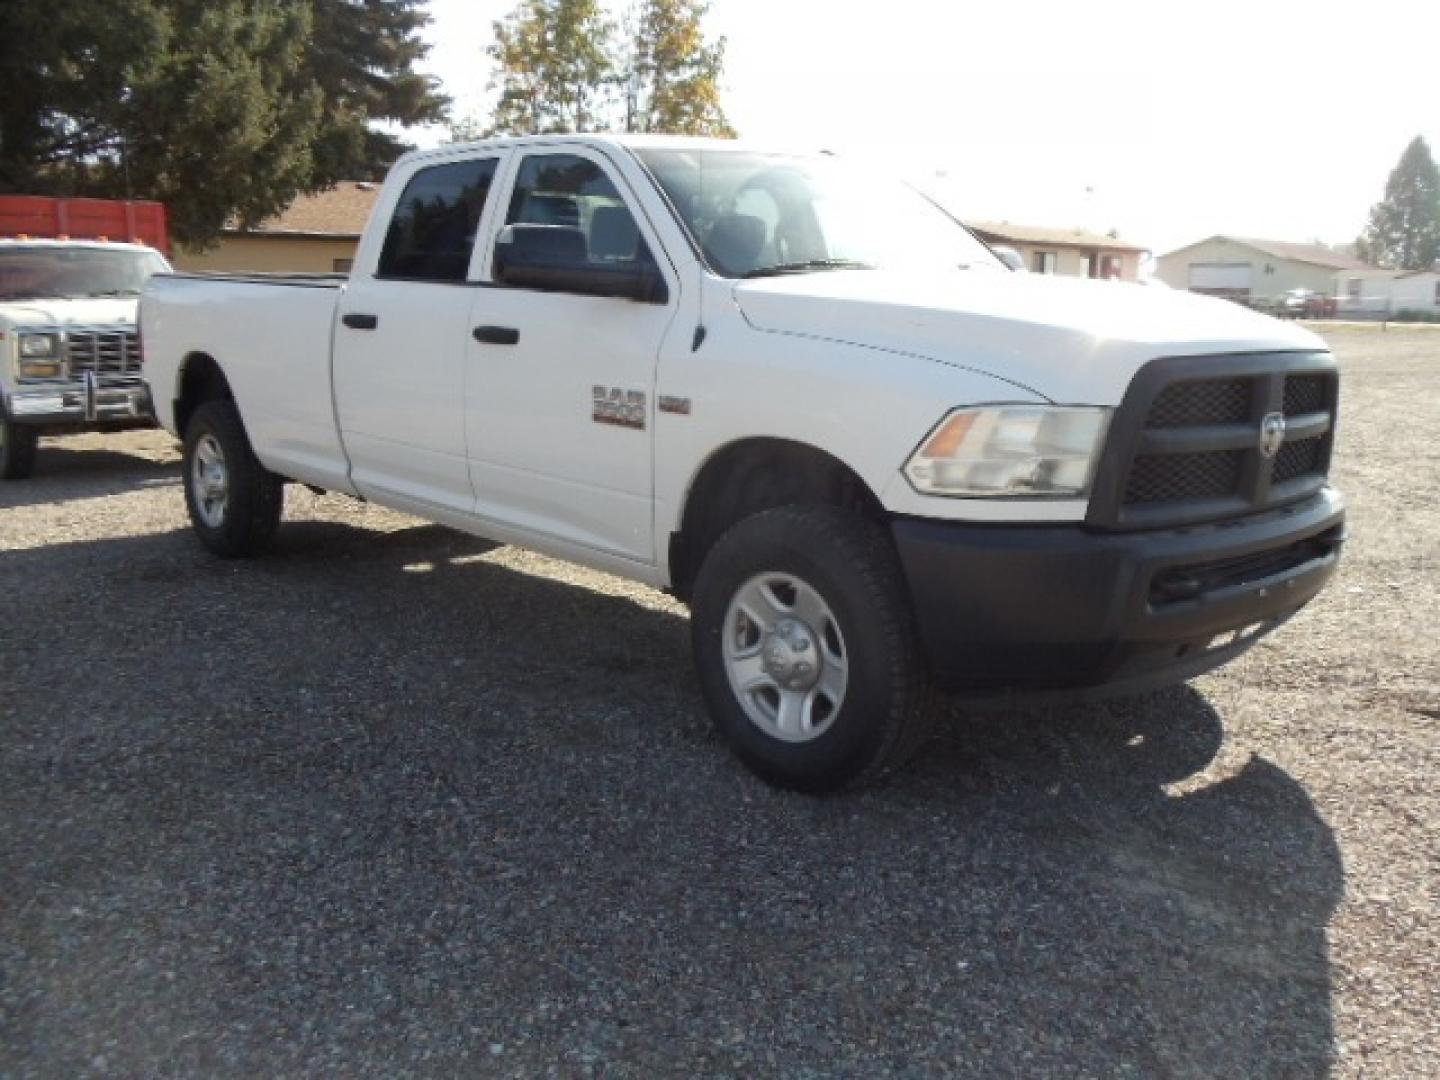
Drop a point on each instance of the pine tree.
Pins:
(363, 56)
(555, 67)
(1404, 228)
(223, 109)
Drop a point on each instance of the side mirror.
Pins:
(555, 258)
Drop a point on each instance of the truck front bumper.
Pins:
(1068, 613)
(78, 403)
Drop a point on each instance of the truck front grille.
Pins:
(1189, 442)
(1158, 478)
(105, 351)
(1191, 404)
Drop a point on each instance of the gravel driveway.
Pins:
(394, 802)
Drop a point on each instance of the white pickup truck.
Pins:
(875, 462)
(69, 350)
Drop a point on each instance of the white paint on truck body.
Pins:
(504, 441)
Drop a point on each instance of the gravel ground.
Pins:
(393, 802)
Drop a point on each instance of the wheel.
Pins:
(234, 501)
(17, 449)
(806, 649)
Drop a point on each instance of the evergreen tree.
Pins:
(1404, 228)
(555, 67)
(223, 109)
(362, 53)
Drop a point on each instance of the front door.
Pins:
(559, 386)
(400, 342)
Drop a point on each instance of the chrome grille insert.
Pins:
(105, 351)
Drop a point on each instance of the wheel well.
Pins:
(201, 380)
(754, 475)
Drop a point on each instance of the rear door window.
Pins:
(432, 231)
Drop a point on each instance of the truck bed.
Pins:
(314, 280)
(280, 328)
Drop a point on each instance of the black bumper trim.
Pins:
(1020, 609)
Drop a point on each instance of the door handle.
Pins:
(359, 320)
(496, 335)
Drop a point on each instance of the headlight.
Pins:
(41, 356)
(1011, 451)
(38, 346)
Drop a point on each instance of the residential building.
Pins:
(316, 234)
(1074, 252)
(1253, 271)
(1382, 293)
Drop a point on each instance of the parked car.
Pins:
(1305, 304)
(806, 401)
(69, 349)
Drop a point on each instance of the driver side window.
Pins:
(587, 222)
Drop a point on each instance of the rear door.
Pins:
(559, 387)
(400, 339)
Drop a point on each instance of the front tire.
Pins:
(234, 501)
(806, 649)
(17, 449)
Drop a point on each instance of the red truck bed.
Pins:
(132, 221)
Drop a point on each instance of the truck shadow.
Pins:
(65, 472)
(392, 784)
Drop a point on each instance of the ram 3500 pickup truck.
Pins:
(874, 461)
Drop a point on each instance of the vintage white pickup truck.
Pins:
(877, 463)
(69, 351)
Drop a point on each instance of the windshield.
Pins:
(756, 215)
(64, 273)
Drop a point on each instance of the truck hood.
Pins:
(1071, 340)
(102, 311)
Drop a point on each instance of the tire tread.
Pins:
(257, 496)
(17, 456)
(865, 553)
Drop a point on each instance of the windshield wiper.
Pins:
(111, 292)
(806, 266)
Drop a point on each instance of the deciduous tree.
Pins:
(671, 80)
(562, 65)
(1404, 228)
(554, 67)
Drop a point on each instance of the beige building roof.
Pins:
(1039, 234)
(1315, 254)
(340, 211)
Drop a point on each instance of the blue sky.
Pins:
(1167, 121)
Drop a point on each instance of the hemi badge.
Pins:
(677, 405)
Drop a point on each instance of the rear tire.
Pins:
(806, 649)
(17, 449)
(234, 501)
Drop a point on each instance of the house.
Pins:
(1250, 270)
(316, 234)
(1075, 252)
(1362, 293)
(1416, 290)
(1383, 293)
